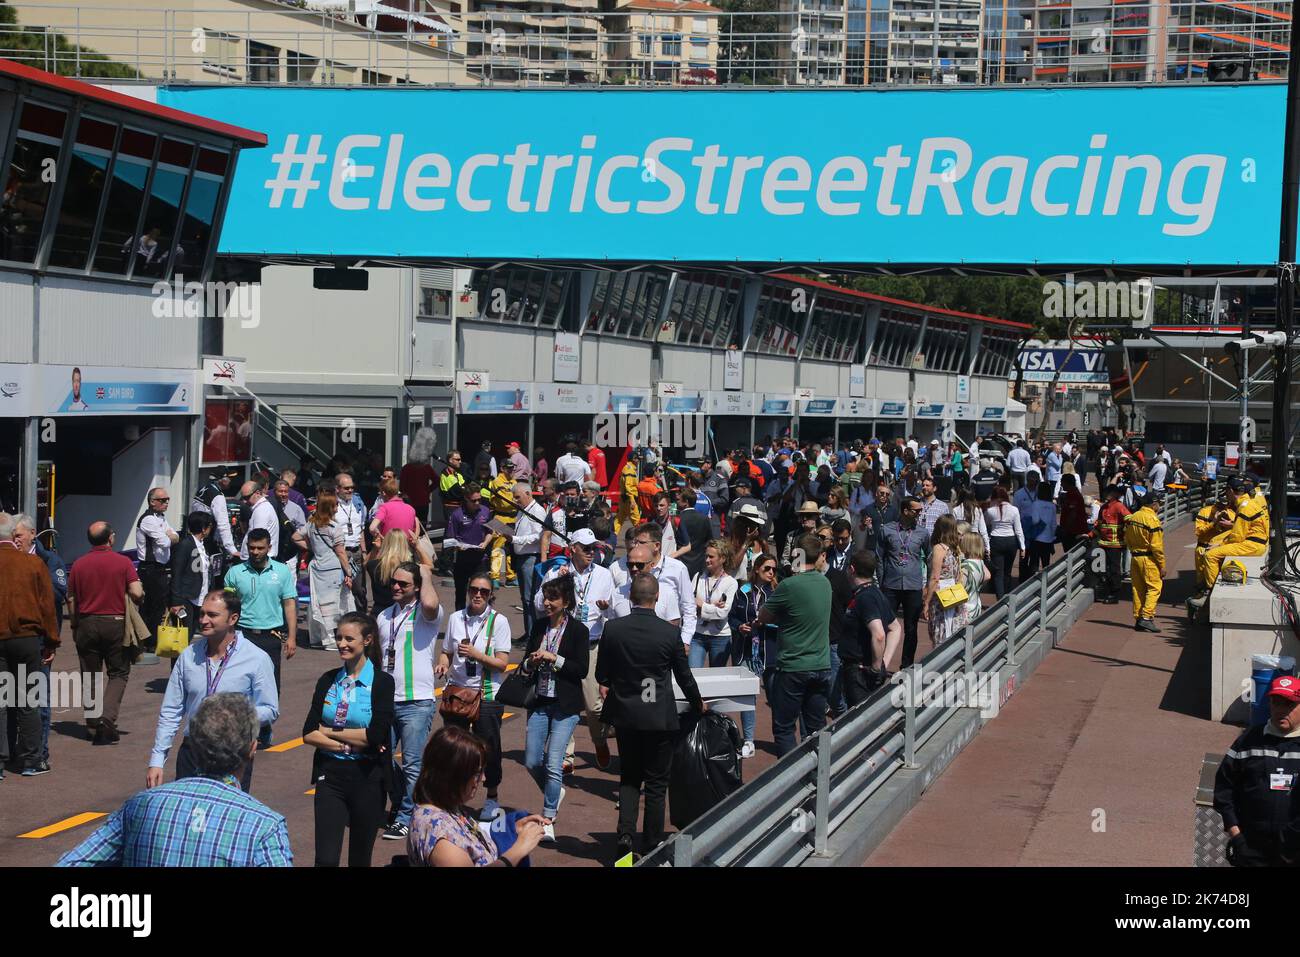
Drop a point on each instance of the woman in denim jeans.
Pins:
(753, 647)
(556, 661)
(715, 592)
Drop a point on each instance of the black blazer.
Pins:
(186, 578)
(575, 649)
(377, 734)
(633, 649)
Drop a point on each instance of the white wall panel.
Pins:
(773, 374)
(622, 362)
(84, 322)
(824, 378)
(304, 334)
(690, 366)
(505, 352)
(15, 318)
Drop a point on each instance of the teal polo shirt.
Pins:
(260, 593)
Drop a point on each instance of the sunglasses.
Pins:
(636, 566)
(402, 584)
(473, 590)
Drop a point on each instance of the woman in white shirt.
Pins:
(1006, 538)
(714, 592)
(474, 656)
(967, 510)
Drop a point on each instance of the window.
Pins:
(83, 191)
(195, 234)
(158, 232)
(647, 44)
(435, 303)
(671, 44)
(263, 63)
(126, 198)
(777, 327)
(300, 68)
(30, 179)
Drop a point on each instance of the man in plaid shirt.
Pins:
(204, 821)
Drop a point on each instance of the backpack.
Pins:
(285, 548)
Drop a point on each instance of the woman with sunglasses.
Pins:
(329, 571)
(754, 645)
(349, 723)
(555, 661)
(475, 655)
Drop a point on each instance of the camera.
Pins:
(1257, 340)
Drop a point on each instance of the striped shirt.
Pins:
(193, 822)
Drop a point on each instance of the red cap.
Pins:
(1286, 687)
(515, 444)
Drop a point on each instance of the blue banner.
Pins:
(907, 176)
(893, 410)
(819, 407)
(683, 404)
(776, 406)
(1082, 365)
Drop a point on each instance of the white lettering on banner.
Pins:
(1060, 185)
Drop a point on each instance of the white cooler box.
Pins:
(725, 689)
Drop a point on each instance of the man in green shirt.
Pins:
(801, 608)
(268, 596)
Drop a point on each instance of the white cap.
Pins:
(583, 536)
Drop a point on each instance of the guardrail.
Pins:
(343, 44)
(789, 813)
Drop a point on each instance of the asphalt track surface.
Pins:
(1094, 762)
(42, 817)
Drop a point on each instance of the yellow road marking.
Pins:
(312, 791)
(286, 746)
(65, 825)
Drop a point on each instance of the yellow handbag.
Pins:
(953, 595)
(173, 637)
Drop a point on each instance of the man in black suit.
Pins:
(637, 653)
(191, 570)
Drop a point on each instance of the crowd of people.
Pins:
(812, 567)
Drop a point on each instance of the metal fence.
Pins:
(789, 813)
(803, 44)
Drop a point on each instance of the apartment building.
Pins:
(531, 42)
(1099, 41)
(663, 42)
(344, 42)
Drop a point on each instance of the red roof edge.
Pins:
(922, 307)
(20, 71)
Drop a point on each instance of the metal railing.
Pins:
(788, 813)
(274, 43)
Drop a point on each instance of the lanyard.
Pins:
(215, 680)
(582, 595)
(399, 628)
(709, 589)
(552, 640)
(907, 542)
(472, 639)
(341, 701)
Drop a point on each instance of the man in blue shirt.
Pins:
(1055, 462)
(201, 821)
(268, 599)
(222, 660)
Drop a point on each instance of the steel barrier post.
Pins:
(968, 647)
(822, 799)
(1013, 615)
(911, 688)
(1042, 599)
(1069, 574)
(682, 852)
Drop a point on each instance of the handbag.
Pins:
(459, 702)
(518, 690)
(423, 544)
(173, 637)
(953, 595)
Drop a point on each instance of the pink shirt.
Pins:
(395, 515)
